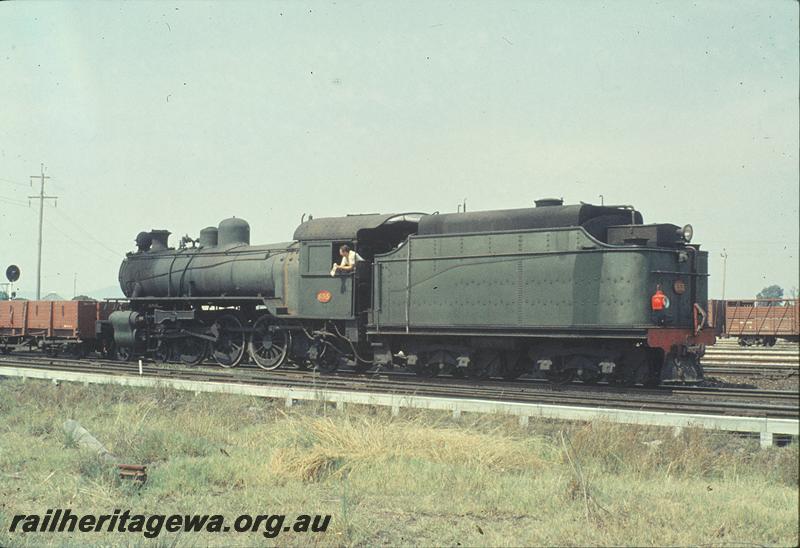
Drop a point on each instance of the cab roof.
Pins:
(348, 228)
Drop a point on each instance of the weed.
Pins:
(420, 478)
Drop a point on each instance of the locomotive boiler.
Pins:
(221, 263)
(561, 291)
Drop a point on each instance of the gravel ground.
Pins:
(762, 382)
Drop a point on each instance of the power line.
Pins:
(107, 251)
(105, 255)
(12, 182)
(81, 245)
(12, 201)
(41, 197)
(89, 235)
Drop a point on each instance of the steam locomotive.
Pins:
(560, 291)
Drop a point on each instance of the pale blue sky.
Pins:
(176, 115)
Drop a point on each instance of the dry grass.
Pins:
(323, 446)
(422, 478)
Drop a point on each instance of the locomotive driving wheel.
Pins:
(269, 344)
(191, 350)
(228, 349)
(165, 352)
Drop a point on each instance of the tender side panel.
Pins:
(559, 279)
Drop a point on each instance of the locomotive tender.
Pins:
(561, 291)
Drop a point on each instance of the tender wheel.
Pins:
(653, 378)
(268, 346)
(485, 364)
(586, 368)
(514, 366)
(590, 377)
(429, 366)
(228, 350)
(560, 374)
(561, 377)
(191, 350)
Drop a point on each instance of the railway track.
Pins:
(689, 399)
(727, 358)
(753, 371)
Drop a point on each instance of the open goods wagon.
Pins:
(756, 321)
(52, 326)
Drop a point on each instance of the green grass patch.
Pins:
(420, 478)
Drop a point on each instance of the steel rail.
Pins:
(771, 372)
(454, 388)
(661, 391)
(604, 391)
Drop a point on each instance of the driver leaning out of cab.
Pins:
(348, 262)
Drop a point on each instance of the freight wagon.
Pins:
(53, 326)
(756, 321)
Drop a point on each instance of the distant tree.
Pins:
(793, 293)
(3, 296)
(771, 292)
(82, 298)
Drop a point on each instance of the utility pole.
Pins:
(724, 256)
(41, 197)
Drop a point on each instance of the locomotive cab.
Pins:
(345, 296)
